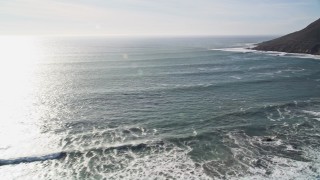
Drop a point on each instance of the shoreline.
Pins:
(272, 53)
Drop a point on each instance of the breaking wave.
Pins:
(272, 53)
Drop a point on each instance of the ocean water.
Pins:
(156, 108)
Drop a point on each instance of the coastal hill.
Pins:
(306, 41)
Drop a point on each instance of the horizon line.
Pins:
(138, 35)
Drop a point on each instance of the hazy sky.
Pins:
(156, 17)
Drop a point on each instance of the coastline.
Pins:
(249, 49)
(304, 41)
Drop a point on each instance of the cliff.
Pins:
(306, 41)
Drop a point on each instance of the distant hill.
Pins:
(306, 41)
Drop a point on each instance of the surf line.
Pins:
(19, 160)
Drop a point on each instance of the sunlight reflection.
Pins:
(17, 61)
(19, 130)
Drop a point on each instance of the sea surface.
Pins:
(156, 108)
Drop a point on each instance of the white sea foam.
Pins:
(287, 169)
(237, 49)
(117, 158)
(248, 49)
(162, 162)
(174, 164)
(314, 113)
(249, 153)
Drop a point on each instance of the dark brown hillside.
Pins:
(306, 41)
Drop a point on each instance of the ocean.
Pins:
(157, 108)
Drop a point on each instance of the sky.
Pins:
(156, 17)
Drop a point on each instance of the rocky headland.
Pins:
(305, 41)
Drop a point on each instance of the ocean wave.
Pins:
(223, 84)
(280, 153)
(287, 113)
(272, 53)
(237, 49)
(314, 113)
(257, 157)
(30, 159)
(145, 160)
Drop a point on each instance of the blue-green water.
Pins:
(162, 108)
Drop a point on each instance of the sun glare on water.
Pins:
(17, 61)
(19, 58)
